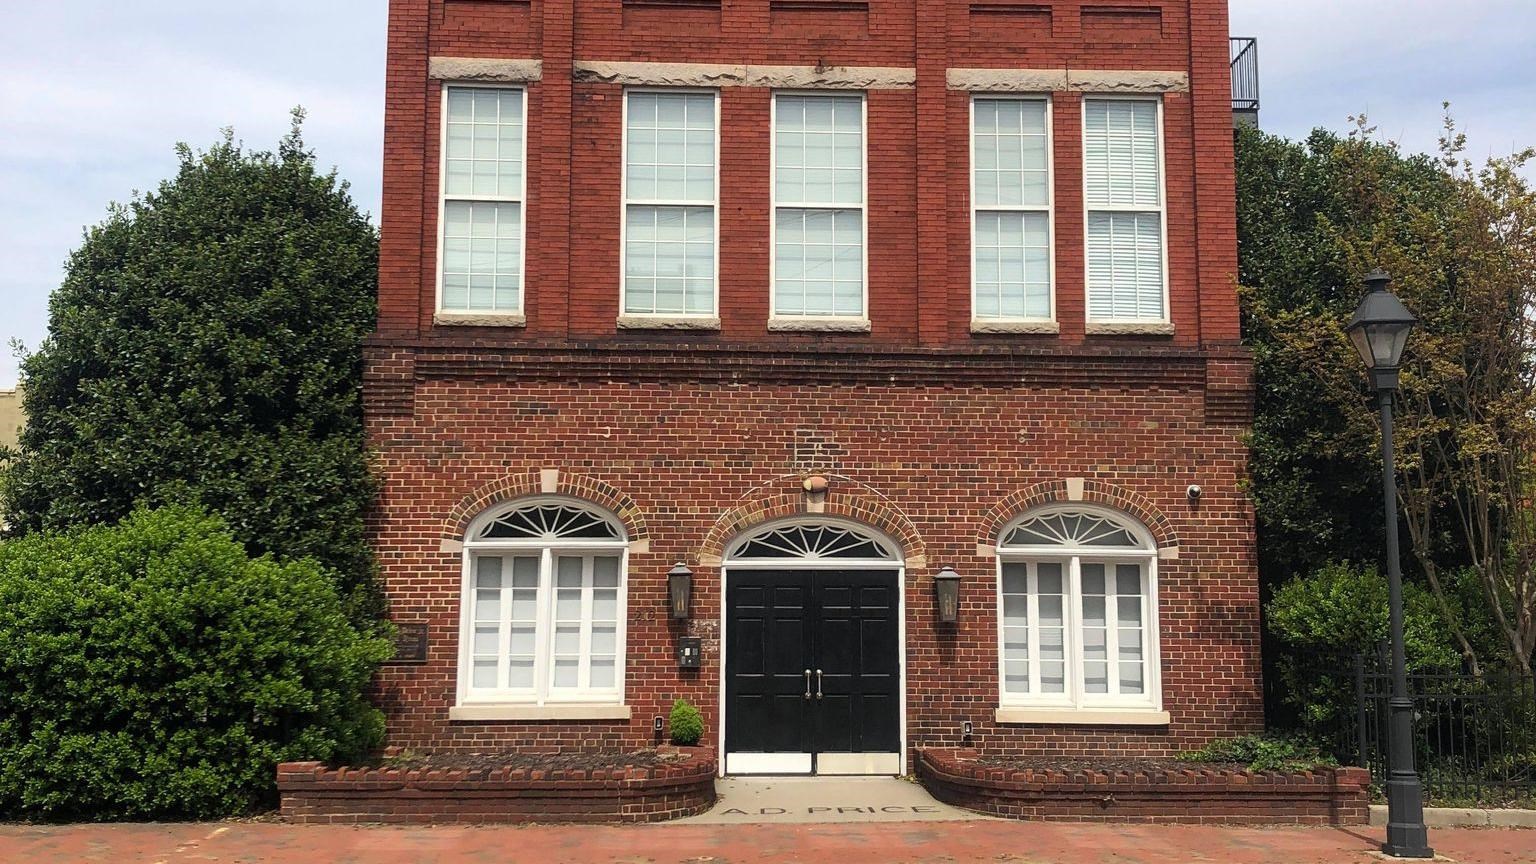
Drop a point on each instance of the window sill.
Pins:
(1083, 717)
(668, 322)
(1136, 328)
(1046, 328)
(479, 319)
(539, 712)
(819, 325)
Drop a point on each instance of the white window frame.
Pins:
(1073, 698)
(1161, 209)
(442, 203)
(543, 694)
(625, 202)
(790, 321)
(1049, 209)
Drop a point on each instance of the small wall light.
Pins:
(946, 584)
(680, 591)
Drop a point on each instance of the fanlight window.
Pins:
(1072, 528)
(813, 542)
(550, 522)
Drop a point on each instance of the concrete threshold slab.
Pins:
(805, 800)
(1465, 817)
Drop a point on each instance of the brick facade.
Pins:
(928, 432)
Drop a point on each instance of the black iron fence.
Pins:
(1475, 735)
(1244, 53)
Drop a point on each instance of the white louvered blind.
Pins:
(1124, 191)
(818, 193)
(1011, 244)
(670, 195)
(482, 231)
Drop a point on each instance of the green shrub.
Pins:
(1262, 753)
(153, 670)
(686, 724)
(1343, 608)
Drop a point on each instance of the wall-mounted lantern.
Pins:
(680, 591)
(946, 585)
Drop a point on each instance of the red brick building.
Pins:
(817, 298)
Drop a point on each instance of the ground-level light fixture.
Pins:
(680, 591)
(946, 586)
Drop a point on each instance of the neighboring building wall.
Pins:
(12, 418)
(929, 431)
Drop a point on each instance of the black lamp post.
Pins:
(1380, 330)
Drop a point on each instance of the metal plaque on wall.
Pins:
(410, 643)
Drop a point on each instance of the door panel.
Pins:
(844, 627)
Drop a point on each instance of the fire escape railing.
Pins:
(1245, 77)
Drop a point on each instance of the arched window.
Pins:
(1077, 598)
(543, 610)
(806, 541)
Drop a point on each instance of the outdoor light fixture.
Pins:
(680, 590)
(946, 584)
(1380, 331)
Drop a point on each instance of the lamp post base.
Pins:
(1407, 851)
(1406, 834)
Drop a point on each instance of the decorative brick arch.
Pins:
(784, 497)
(548, 482)
(1093, 492)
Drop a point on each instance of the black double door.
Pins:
(813, 669)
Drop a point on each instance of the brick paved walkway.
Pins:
(996, 842)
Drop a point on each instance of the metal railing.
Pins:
(1244, 52)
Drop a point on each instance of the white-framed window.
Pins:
(1126, 243)
(671, 196)
(1011, 201)
(1077, 612)
(480, 248)
(819, 225)
(543, 606)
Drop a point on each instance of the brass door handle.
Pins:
(818, 683)
(807, 683)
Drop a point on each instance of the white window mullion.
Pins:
(1112, 627)
(1032, 616)
(584, 669)
(544, 630)
(504, 634)
(1073, 614)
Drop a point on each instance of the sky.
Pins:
(94, 94)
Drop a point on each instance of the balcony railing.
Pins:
(1245, 80)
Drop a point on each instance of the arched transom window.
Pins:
(543, 619)
(1077, 593)
(813, 541)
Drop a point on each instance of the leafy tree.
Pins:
(153, 669)
(205, 347)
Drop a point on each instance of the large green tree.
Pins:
(1461, 242)
(205, 347)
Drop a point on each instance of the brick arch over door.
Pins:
(1094, 492)
(784, 497)
(514, 486)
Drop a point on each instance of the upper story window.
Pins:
(818, 199)
(1011, 209)
(480, 264)
(543, 607)
(1077, 592)
(670, 203)
(1126, 236)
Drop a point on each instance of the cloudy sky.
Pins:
(94, 93)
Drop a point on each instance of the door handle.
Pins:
(807, 683)
(818, 683)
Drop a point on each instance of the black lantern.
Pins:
(946, 585)
(680, 590)
(1380, 331)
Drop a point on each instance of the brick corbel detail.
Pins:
(1094, 492)
(536, 482)
(783, 497)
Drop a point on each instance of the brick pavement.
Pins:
(947, 842)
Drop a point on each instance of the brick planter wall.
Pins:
(1329, 797)
(312, 794)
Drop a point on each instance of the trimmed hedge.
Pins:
(153, 670)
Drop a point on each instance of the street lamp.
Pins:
(1380, 330)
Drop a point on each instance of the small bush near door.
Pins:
(153, 670)
(686, 724)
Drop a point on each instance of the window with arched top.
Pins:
(812, 541)
(1077, 611)
(543, 609)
